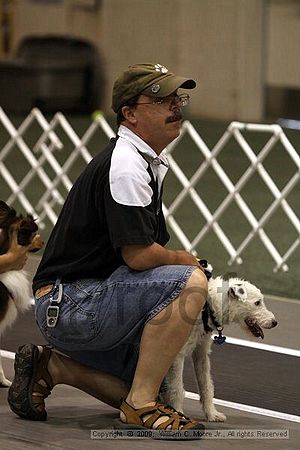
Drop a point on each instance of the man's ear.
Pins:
(129, 114)
(238, 292)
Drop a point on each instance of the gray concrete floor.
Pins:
(72, 415)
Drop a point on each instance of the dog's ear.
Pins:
(4, 241)
(4, 207)
(238, 292)
(26, 228)
(7, 214)
(28, 224)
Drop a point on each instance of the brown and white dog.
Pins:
(15, 289)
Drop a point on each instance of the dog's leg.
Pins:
(4, 382)
(174, 395)
(201, 362)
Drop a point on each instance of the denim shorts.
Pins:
(100, 322)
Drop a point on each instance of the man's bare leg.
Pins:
(162, 339)
(38, 370)
(101, 385)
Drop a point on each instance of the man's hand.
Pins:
(186, 258)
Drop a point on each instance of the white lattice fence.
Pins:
(52, 175)
(255, 166)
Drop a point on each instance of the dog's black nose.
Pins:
(274, 323)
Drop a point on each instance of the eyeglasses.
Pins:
(182, 100)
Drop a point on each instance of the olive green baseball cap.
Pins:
(153, 80)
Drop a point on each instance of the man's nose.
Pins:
(175, 106)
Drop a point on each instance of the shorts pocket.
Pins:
(76, 323)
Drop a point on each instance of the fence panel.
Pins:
(51, 174)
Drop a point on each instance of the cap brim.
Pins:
(168, 85)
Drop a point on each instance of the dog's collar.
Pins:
(207, 314)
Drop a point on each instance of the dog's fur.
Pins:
(15, 290)
(229, 301)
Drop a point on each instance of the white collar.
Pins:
(142, 146)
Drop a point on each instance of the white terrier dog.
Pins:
(234, 300)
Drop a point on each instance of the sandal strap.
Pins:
(43, 374)
(176, 419)
(152, 419)
(177, 412)
(192, 424)
(40, 390)
(135, 416)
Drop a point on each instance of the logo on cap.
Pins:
(160, 68)
(155, 88)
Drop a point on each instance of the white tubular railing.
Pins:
(44, 151)
(256, 166)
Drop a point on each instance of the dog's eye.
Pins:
(257, 303)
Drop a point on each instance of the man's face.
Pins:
(158, 121)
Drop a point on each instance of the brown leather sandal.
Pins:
(175, 420)
(32, 383)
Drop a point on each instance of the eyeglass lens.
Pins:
(182, 99)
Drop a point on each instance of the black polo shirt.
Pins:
(116, 201)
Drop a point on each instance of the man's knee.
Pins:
(196, 288)
(198, 280)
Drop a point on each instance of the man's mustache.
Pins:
(174, 118)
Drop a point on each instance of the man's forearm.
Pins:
(141, 257)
